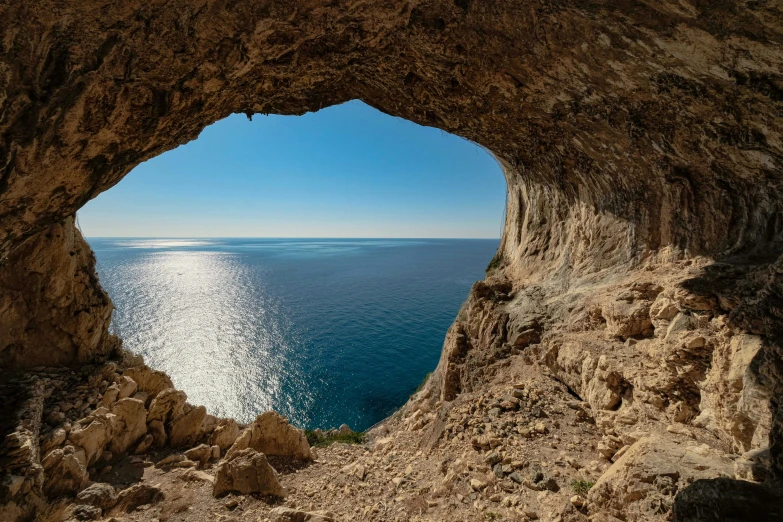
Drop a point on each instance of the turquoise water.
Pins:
(324, 331)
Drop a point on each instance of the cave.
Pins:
(641, 144)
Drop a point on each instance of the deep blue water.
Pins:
(324, 331)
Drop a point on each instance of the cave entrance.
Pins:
(288, 262)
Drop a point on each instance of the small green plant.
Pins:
(355, 437)
(489, 515)
(421, 386)
(495, 263)
(581, 487)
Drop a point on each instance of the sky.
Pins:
(345, 171)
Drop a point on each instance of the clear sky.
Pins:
(345, 171)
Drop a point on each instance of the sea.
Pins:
(325, 331)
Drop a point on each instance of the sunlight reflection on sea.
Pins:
(325, 331)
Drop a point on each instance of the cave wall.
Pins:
(629, 130)
(53, 311)
(636, 138)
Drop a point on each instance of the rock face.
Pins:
(271, 434)
(186, 428)
(94, 436)
(131, 425)
(644, 481)
(65, 470)
(149, 381)
(642, 144)
(52, 309)
(225, 434)
(99, 495)
(247, 471)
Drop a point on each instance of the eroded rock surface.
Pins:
(247, 471)
(52, 309)
(639, 272)
(271, 434)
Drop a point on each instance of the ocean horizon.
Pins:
(324, 330)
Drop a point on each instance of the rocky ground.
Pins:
(523, 449)
(639, 400)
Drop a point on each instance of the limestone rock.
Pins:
(167, 405)
(194, 475)
(65, 471)
(99, 495)
(149, 381)
(127, 387)
(643, 482)
(94, 436)
(724, 499)
(110, 396)
(145, 444)
(247, 471)
(86, 512)
(186, 429)
(138, 495)
(201, 454)
(158, 432)
(640, 143)
(55, 439)
(271, 434)
(53, 312)
(286, 514)
(130, 427)
(224, 434)
(169, 461)
(627, 319)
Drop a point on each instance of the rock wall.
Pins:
(630, 131)
(642, 145)
(53, 311)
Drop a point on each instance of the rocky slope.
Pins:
(639, 277)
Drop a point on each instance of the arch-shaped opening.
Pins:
(385, 225)
(608, 119)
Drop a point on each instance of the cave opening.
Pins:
(305, 264)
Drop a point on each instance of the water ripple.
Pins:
(325, 331)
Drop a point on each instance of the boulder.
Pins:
(286, 514)
(271, 434)
(186, 429)
(642, 484)
(247, 471)
(627, 319)
(99, 495)
(110, 396)
(193, 475)
(131, 425)
(138, 495)
(94, 436)
(210, 423)
(225, 434)
(85, 512)
(149, 381)
(127, 387)
(65, 471)
(201, 454)
(145, 444)
(54, 439)
(170, 460)
(167, 405)
(158, 432)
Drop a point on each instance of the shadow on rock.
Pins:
(728, 500)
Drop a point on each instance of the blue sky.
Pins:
(345, 171)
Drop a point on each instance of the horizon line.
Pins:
(284, 237)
